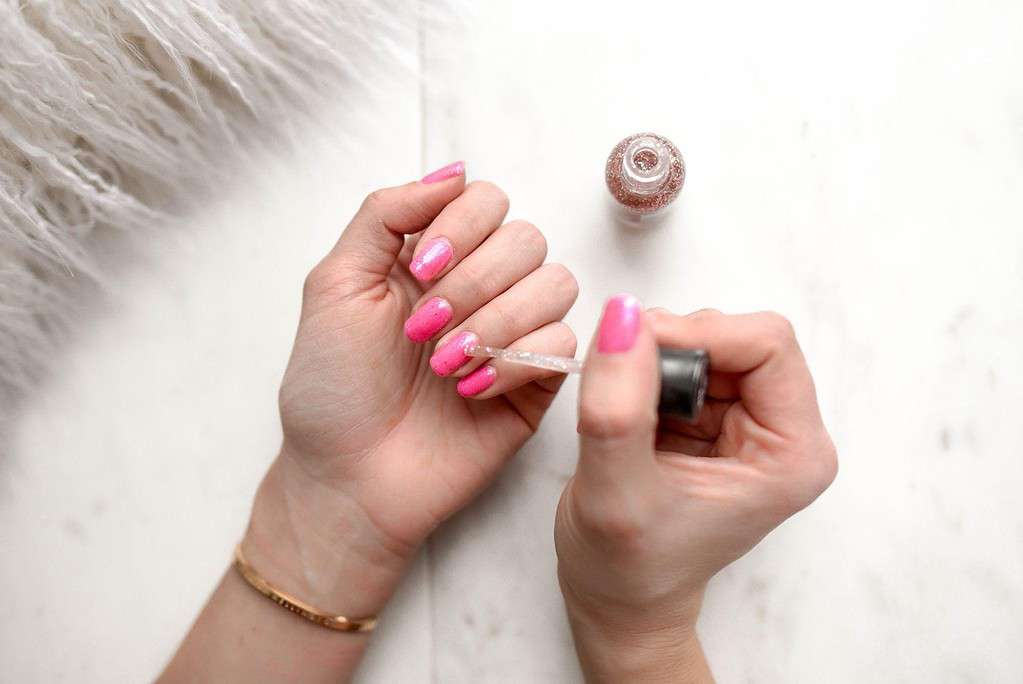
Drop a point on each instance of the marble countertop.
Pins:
(857, 167)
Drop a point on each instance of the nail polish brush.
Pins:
(684, 374)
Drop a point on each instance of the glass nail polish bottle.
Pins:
(645, 173)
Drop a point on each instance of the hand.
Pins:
(378, 447)
(657, 508)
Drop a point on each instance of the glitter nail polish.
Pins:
(478, 381)
(451, 355)
(432, 258)
(428, 319)
(645, 173)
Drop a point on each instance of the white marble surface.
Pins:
(858, 167)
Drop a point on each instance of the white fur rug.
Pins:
(112, 110)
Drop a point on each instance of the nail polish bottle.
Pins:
(645, 173)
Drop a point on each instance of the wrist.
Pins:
(316, 543)
(616, 642)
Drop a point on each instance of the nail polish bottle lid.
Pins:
(645, 173)
(684, 376)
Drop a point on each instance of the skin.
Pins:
(378, 450)
(656, 508)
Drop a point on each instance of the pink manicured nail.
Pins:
(442, 174)
(428, 319)
(619, 324)
(432, 259)
(451, 356)
(477, 381)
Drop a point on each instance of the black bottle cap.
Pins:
(684, 375)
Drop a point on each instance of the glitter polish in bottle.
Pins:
(645, 173)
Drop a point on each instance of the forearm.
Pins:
(241, 636)
(332, 565)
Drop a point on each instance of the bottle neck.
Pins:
(645, 165)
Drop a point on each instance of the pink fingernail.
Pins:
(443, 173)
(428, 319)
(451, 356)
(619, 325)
(477, 381)
(432, 259)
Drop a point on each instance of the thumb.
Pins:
(371, 243)
(618, 401)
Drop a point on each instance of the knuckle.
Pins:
(564, 280)
(397, 206)
(473, 279)
(569, 342)
(777, 327)
(506, 318)
(323, 282)
(706, 313)
(489, 192)
(783, 504)
(562, 338)
(315, 282)
(616, 526)
(310, 284)
(827, 469)
(818, 471)
(376, 200)
(620, 526)
(415, 210)
(528, 237)
(661, 319)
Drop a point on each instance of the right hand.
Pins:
(657, 508)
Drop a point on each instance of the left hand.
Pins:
(378, 448)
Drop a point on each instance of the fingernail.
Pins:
(619, 325)
(451, 355)
(432, 259)
(428, 319)
(443, 173)
(477, 381)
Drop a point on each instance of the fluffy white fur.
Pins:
(111, 109)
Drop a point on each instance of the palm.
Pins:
(418, 450)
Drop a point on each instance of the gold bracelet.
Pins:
(335, 622)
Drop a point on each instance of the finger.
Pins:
(532, 400)
(706, 427)
(618, 402)
(458, 230)
(512, 252)
(368, 247)
(671, 445)
(720, 385)
(773, 379)
(496, 377)
(543, 296)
